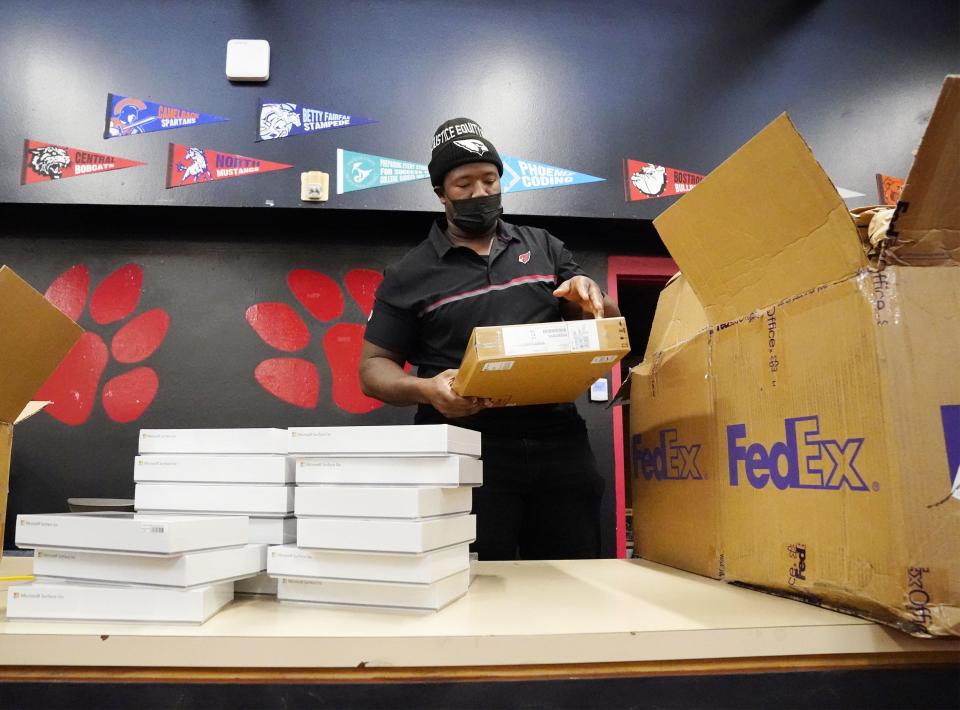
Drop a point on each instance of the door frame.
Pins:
(648, 270)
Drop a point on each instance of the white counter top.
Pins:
(516, 613)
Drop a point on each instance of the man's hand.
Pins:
(439, 393)
(584, 292)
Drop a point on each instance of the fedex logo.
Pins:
(804, 459)
(670, 460)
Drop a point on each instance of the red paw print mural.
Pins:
(73, 386)
(296, 380)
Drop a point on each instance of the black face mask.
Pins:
(476, 215)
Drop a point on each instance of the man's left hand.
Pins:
(584, 292)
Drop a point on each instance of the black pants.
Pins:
(540, 499)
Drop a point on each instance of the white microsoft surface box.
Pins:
(380, 594)
(132, 532)
(260, 584)
(293, 561)
(87, 602)
(273, 531)
(381, 501)
(401, 439)
(380, 535)
(190, 569)
(213, 441)
(213, 468)
(235, 499)
(452, 470)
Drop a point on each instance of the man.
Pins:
(541, 492)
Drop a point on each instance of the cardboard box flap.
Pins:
(925, 229)
(36, 337)
(679, 316)
(764, 225)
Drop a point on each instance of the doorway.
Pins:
(634, 282)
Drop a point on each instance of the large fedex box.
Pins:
(796, 419)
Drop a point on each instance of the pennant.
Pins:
(43, 162)
(279, 119)
(360, 171)
(520, 175)
(889, 189)
(647, 181)
(188, 165)
(127, 116)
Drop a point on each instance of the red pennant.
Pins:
(647, 181)
(43, 162)
(189, 165)
(889, 189)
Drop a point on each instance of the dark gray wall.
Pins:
(573, 83)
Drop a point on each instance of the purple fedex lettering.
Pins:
(802, 460)
(670, 460)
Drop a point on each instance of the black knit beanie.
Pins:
(457, 142)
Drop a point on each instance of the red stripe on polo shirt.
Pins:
(520, 280)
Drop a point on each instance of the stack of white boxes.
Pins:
(383, 516)
(131, 567)
(221, 471)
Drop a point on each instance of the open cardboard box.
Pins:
(796, 419)
(540, 363)
(34, 337)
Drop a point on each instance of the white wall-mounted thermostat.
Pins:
(314, 186)
(248, 60)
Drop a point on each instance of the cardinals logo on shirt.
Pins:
(524, 258)
(472, 145)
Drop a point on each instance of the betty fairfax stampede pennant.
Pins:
(361, 171)
(43, 162)
(189, 165)
(127, 116)
(520, 174)
(646, 181)
(279, 119)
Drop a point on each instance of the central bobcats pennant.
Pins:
(43, 162)
(188, 165)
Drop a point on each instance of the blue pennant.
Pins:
(520, 174)
(279, 119)
(127, 116)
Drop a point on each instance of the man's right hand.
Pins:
(439, 393)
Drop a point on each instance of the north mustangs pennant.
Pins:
(360, 171)
(646, 181)
(127, 116)
(279, 119)
(43, 162)
(188, 165)
(520, 174)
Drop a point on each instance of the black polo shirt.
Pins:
(432, 299)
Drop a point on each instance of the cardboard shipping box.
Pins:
(34, 337)
(540, 363)
(796, 419)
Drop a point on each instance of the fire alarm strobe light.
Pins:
(248, 60)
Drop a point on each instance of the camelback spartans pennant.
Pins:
(43, 162)
(189, 165)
